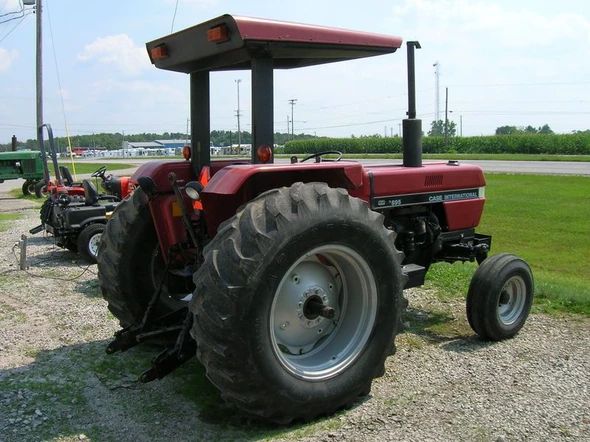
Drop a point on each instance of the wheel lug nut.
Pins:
(284, 325)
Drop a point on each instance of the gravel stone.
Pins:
(56, 382)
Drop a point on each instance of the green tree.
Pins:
(507, 130)
(439, 128)
(545, 129)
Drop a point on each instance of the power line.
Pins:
(547, 83)
(22, 8)
(174, 17)
(365, 123)
(14, 27)
(61, 95)
(24, 14)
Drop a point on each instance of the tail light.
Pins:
(264, 153)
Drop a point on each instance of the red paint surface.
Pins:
(399, 180)
(463, 214)
(272, 30)
(232, 185)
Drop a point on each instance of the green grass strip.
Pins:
(545, 220)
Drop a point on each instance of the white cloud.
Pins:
(9, 5)
(198, 3)
(514, 27)
(6, 58)
(117, 50)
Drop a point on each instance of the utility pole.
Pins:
(399, 129)
(238, 115)
(436, 91)
(39, 71)
(288, 125)
(446, 127)
(461, 125)
(292, 101)
(384, 131)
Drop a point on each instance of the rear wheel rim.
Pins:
(93, 244)
(512, 300)
(313, 347)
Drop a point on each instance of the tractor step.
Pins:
(37, 229)
(126, 338)
(169, 360)
(415, 274)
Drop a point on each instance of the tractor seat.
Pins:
(90, 193)
(66, 175)
(92, 197)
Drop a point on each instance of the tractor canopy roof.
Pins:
(230, 42)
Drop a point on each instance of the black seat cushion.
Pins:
(90, 192)
(66, 175)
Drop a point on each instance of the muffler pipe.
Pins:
(412, 127)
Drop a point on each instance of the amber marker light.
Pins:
(159, 52)
(264, 153)
(218, 34)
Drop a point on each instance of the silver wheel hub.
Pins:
(512, 300)
(323, 312)
(93, 244)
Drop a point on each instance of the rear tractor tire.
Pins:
(130, 266)
(89, 241)
(297, 303)
(500, 297)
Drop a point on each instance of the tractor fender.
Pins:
(235, 185)
(93, 220)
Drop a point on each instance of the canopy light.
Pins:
(218, 34)
(159, 52)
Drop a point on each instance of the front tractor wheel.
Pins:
(500, 297)
(28, 187)
(298, 302)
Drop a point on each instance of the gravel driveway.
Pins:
(56, 382)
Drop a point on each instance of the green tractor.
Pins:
(26, 164)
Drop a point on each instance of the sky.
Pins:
(504, 62)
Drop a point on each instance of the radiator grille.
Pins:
(433, 180)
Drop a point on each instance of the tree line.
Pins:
(115, 140)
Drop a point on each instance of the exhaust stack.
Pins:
(412, 127)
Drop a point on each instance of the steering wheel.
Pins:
(99, 172)
(318, 156)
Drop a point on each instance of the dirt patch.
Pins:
(56, 382)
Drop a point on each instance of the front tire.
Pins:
(89, 241)
(500, 297)
(40, 189)
(28, 187)
(268, 273)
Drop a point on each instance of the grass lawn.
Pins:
(5, 219)
(426, 156)
(462, 156)
(545, 220)
(85, 168)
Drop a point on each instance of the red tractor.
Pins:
(286, 280)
